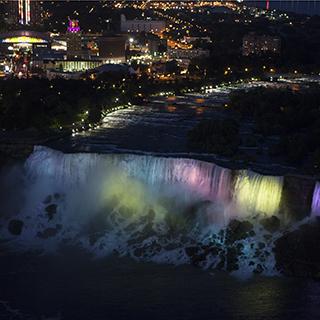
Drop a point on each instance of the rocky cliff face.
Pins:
(13, 152)
(297, 197)
(297, 253)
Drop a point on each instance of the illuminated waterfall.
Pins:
(205, 179)
(316, 200)
(187, 179)
(255, 193)
(146, 207)
(142, 206)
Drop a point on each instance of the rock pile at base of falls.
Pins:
(228, 248)
(15, 227)
(296, 253)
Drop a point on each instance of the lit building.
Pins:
(24, 12)
(73, 39)
(112, 49)
(23, 40)
(204, 39)
(19, 47)
(187, 54)
(155, 26)
(74, 65)
(254, 44)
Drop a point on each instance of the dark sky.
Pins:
(298, 6)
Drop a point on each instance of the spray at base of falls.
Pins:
(150, 208)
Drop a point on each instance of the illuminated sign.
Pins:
(73, 26)
(23, 39)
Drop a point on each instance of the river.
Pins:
(74, 287)
(71, 284)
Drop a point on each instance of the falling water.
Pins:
(257, 194)
(205, 179)
(316, 200)
(251, 193)
(133, 204)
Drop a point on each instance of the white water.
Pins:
(130, 202)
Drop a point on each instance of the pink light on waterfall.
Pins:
(73, 26)
(206, 179)
(268, 5)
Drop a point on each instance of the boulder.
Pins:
(49, 232)
(47, 200)
(198, 254)
(258, 269)
(238, 230)
(271, 224)
(15, 227)
(232, 259)
(51, 210)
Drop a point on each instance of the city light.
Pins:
(24, 40)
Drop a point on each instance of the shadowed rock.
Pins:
(298, 253)
(51, 210)
(15, 227)
(238, 230)
(271, 224)
(49, 232)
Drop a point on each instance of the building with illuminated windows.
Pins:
(23, 40)
(24, 12)
(136, 26)
(73, 39)
(254, 44)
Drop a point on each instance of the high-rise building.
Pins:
(24, 12)
(73, 39)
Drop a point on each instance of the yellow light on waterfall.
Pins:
(257, 193)
(131, 197)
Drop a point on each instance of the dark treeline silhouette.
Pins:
(48, 105)
(294, 117)
(216, 136)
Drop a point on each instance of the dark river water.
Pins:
(74, 287)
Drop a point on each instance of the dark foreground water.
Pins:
(77, 287)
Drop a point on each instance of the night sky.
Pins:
(298, 6)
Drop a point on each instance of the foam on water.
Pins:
(143, 206)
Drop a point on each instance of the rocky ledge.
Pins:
(297, 253)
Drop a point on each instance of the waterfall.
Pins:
(131, 203)
(316, 200)
(249, 194)
(255, 193)
(205, 179)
